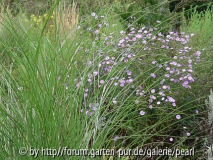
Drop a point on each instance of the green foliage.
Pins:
(201, 25)
(40, 105)
(144, 12)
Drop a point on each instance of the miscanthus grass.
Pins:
(98, 86)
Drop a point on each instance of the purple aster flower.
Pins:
(172, 71)
(171, 139)
(116, 138)
(107, 58)
(167, 68)
(153, 91)
(190, 78)
(114, 101)
(129, 56)
(164, 87)
(90, 75)
(178, 116)
(134, 39)
(122, 32)
(167, 75)
(188, 134)
(129, 73)
(142, 113)
(198, 53)
(153, 75)
(95, 73)
(101, 81)
(138, 36)
(125, 60)
(121, 41)
(179, 65)
(78, 85)
(90, 105)
(170, 99)
(185, 84)
(96, 31)
(106, 69)
(162, 82)
(190, 70)
(160, 93)
(122, 80)
(173, 63)
(152, 97)
(130, 80)
(93, 14)
(122, 84)
(144, 41)
(154, 62)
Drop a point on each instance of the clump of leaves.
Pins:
(144, 13)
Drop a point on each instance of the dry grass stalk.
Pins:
(67, 17)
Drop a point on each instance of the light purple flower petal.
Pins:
(142, 113)
(178, 116)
